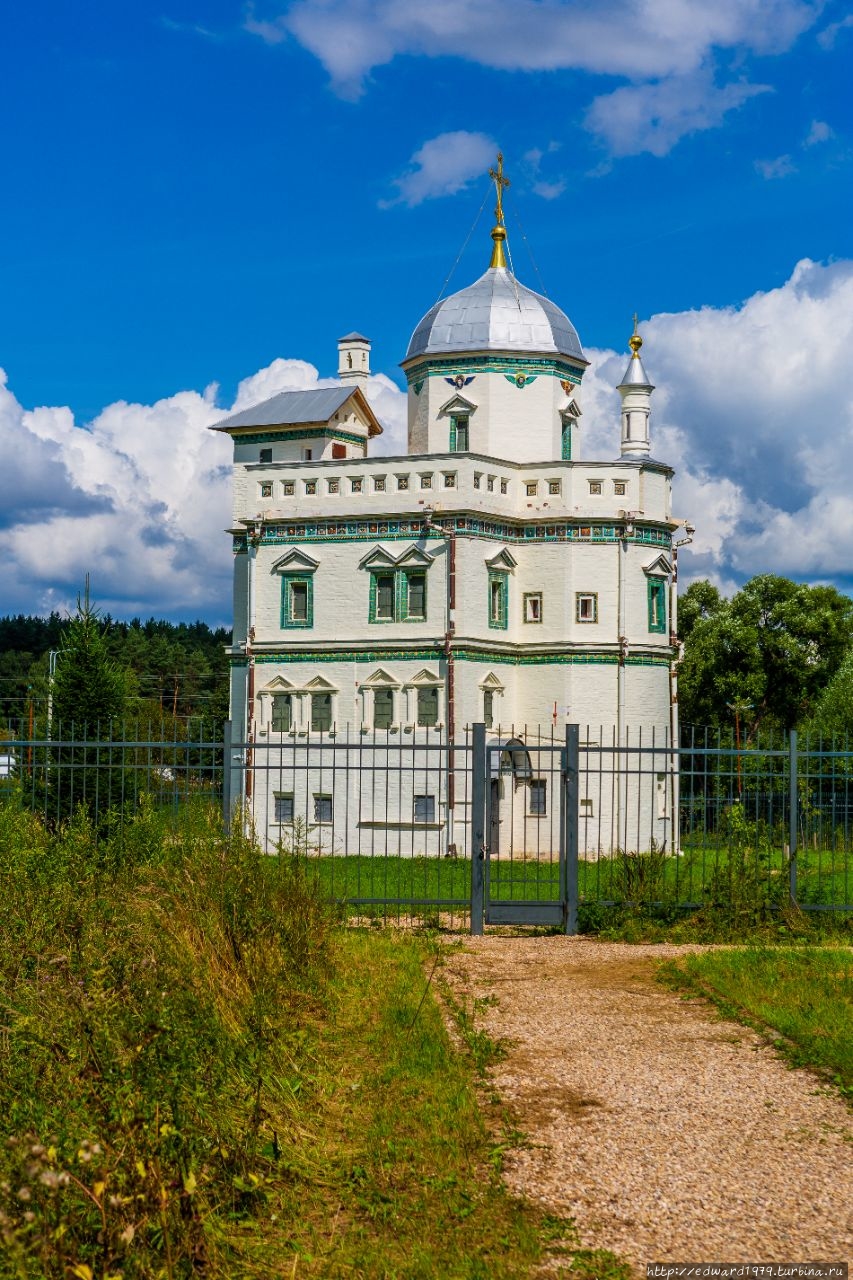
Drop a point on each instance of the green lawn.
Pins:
(806, 994)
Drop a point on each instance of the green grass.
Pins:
(202, 1073)
(805, 994)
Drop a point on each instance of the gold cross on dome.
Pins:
(497, 176)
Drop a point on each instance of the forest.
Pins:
(171, 671)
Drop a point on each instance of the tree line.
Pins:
(776, 655)
(157, 672)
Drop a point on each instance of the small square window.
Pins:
(595, 486)
(477, 478)
(490, 483)
(586, 606)
(288, 488)
(307, 455)
(379, 484)
(553, 486)
(334, 486)
(283, 807)
(339, 450)
(504, 486)
(533, 606)
(402, 482)
(426, 481)
(449, 479)
(357, 484)
(538, 794)
(310, 487)
(322, 808)
(266, 490)
(265, 455)
(424, 808)
(532, 488)
(620, 487)
(586, 808)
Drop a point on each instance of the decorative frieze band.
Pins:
(462, 655)
(468, 526)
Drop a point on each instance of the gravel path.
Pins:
(667, 1134)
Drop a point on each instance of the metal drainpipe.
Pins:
(253, 538)
(450, 627)
(451, 680)
(622, 551)
(674, 834)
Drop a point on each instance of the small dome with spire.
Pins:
(635, 374)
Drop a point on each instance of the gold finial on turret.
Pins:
(635, 341)
(499, 230)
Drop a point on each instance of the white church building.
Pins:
(489, 574)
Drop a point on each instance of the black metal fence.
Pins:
(516, 825)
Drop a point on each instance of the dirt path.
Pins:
(667, 1134)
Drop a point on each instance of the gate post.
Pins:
(478, 827)
(793, 813)
(571, 807)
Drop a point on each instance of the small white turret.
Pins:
(354, 359)
(636, 392)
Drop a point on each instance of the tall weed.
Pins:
(158, 986)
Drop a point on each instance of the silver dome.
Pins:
(495, 313)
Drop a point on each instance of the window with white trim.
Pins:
(537, 798)
(533, 606)
(283, 806)
(322, 807)
(424, 808)
(586, 606)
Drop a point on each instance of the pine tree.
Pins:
(89, 688)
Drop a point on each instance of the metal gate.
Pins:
(525, 872)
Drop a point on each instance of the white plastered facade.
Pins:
(488, 566)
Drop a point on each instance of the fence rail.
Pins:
(494, 825)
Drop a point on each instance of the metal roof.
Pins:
(495, 313)
(353, 337)
(290, 408)
(635, 374)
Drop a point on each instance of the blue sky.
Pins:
(200, 194)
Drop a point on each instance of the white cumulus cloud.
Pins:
(443, 166)
(648, 45)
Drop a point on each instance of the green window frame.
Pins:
(297, 600)
(657, 605)
(398, 595)
(383, 596)
(498, 601)
(460, 433)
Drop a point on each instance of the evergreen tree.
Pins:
(89, 688)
